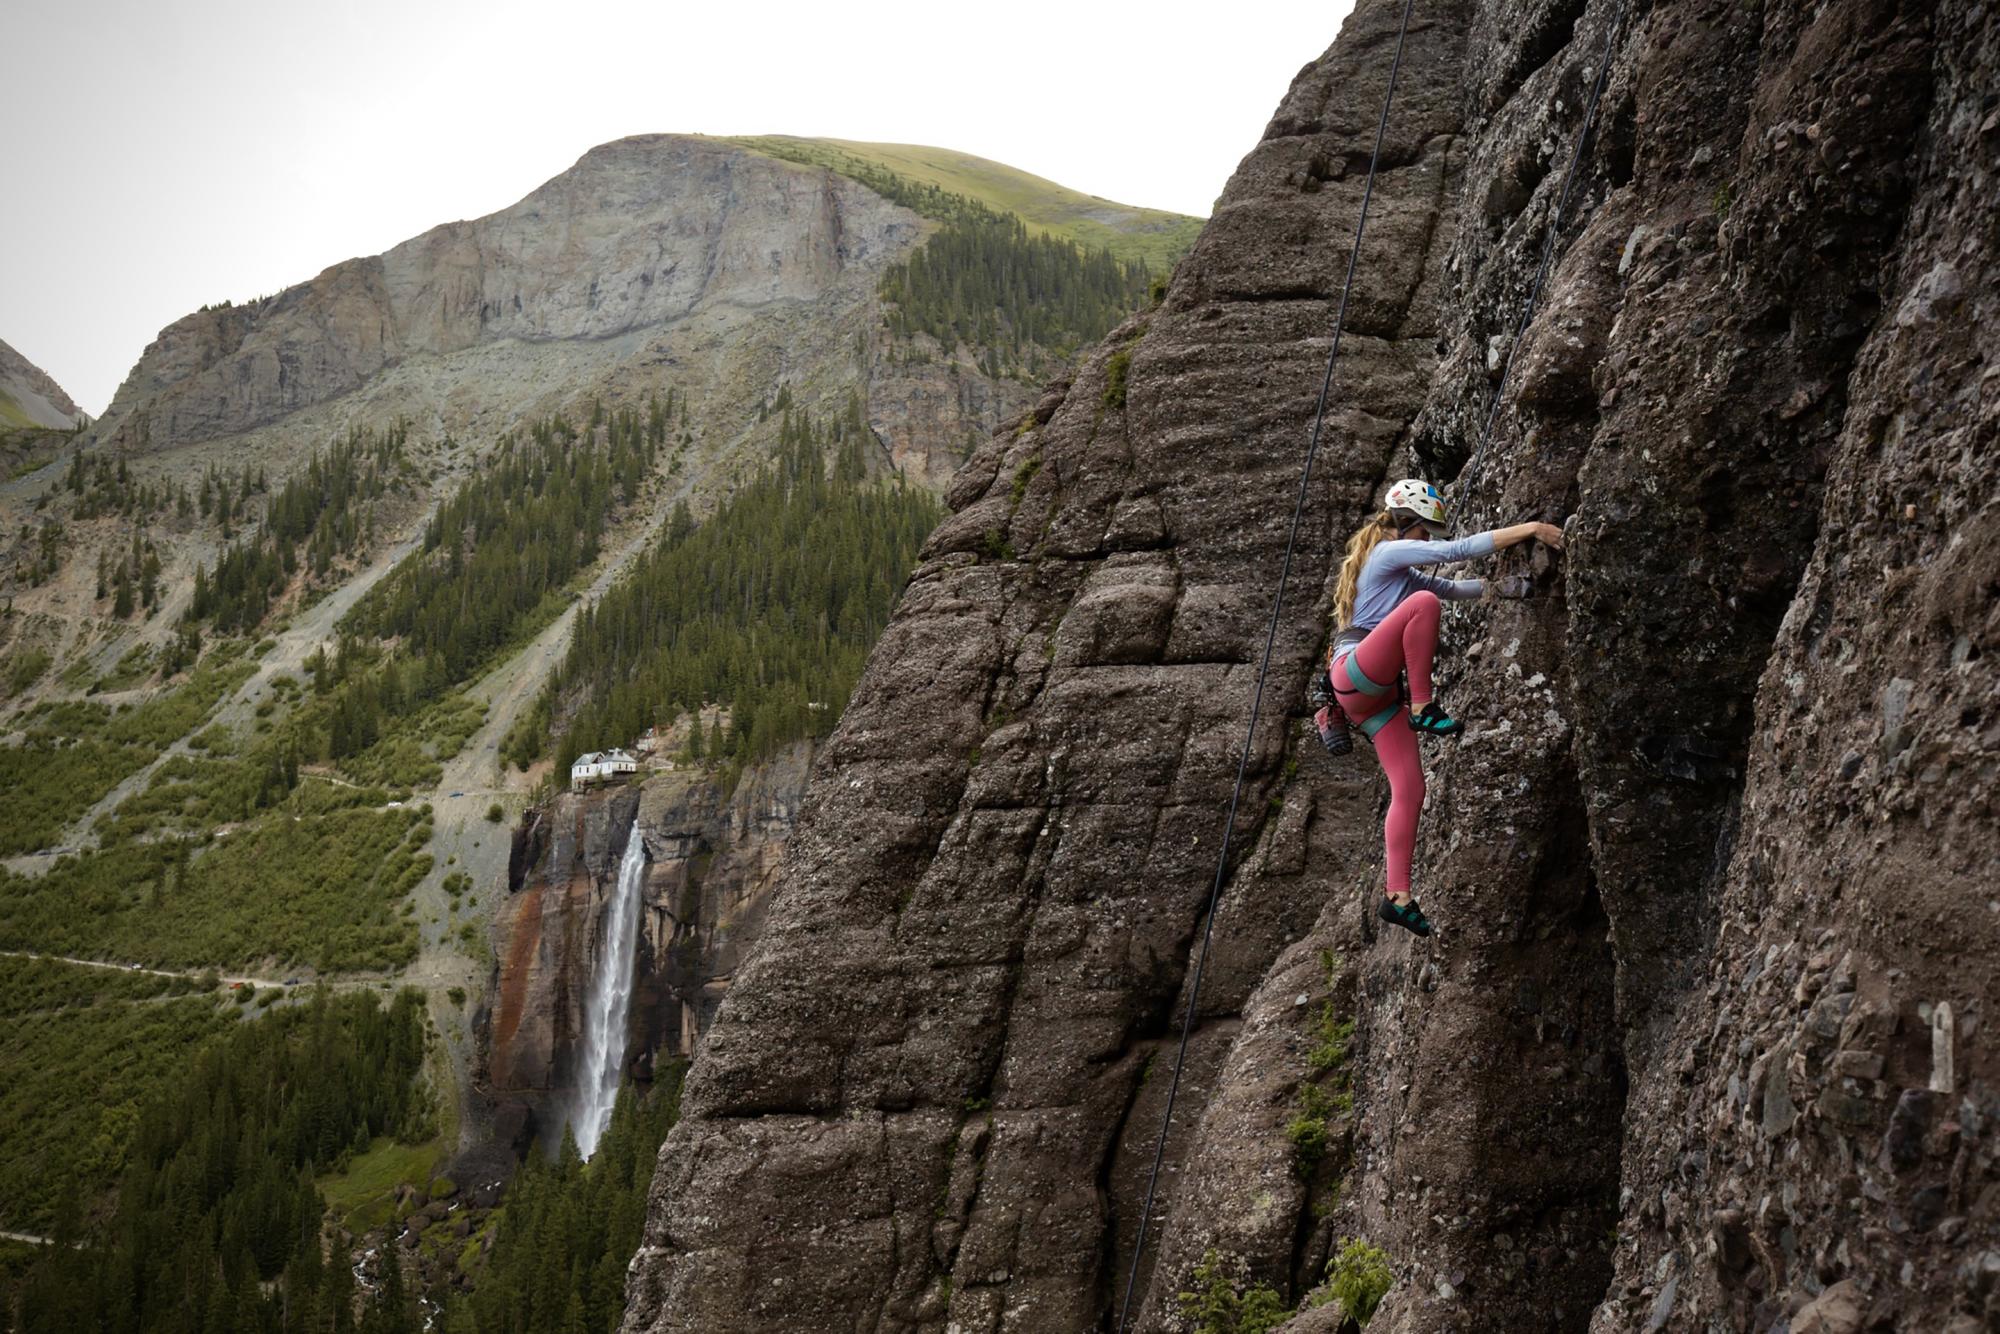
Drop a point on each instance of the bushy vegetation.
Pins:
(217, 1223)
(43, 546)
(23, 668)
(1358, 1278)
(385, 718)
(770, 607)
(1157, 236)
(318, 889)
(1117, 373)
(104, 485)
(321, 515)
(190, 794)
(83, 1048)
(1220, 1304)
(1326, 1095)
(568, 1228)
(29, 985)
(73, 753)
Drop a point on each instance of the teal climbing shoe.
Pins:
(1406, 915)
(1433, 721)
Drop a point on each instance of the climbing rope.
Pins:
(1263, 669)
(1472, 474)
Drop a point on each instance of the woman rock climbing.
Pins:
(1388, 611)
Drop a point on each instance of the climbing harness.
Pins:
(1291, 543)
(1323, 692)
(1263, 668)
(1344, 645)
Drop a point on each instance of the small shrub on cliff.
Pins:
(1334, 1035)
(1358, 1278)
(494, 815)
(1308, 1129)
(1024, 475)
(1215, 1306)
(1116, 372)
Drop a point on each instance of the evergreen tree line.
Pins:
(369, 691)
(512, 537)
(105, 485)
(769, 607)
(569, 1228)
(321, 515)
(983, 280)
(217, 1227)
(920, 197)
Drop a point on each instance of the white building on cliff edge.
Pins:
(601, 766)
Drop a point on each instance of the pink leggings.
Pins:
(1406, 640)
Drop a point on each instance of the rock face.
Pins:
(646, 252)
(29, 397)
(711, 861)
(1701, 1044)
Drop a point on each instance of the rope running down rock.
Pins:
(1263, 669)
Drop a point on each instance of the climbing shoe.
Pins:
(1406, 915)
(1332, 726)
(1434, 721)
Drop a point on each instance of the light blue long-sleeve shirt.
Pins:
(1389, 574)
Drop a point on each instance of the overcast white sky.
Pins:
(160, 154)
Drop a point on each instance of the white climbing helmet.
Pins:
(1419, 498)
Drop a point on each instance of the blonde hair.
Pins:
(1365, 539)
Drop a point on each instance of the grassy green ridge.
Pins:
(1129, 232)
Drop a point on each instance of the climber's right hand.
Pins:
(1549, 535)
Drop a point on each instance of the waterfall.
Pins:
(610, 1000)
